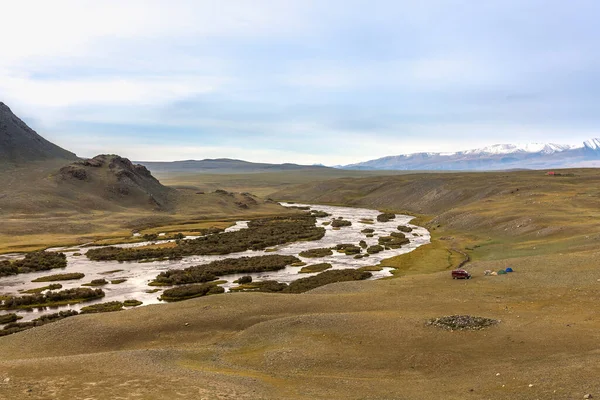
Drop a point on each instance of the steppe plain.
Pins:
(365, 340)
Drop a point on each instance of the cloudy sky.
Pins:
(306, 81)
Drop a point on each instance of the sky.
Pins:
(303, 81)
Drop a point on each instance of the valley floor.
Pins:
(349, 340)
(366, 340)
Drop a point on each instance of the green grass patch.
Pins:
(132, 303)
(54, 286)
(315, 268)
(60, 277)
(110, 306)
(315, 253)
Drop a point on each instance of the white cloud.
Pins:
(112, 91)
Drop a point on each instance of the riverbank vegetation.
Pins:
(63, 297)
(309, 269)
(210, 272)
(32, 262)
(53, 286)
(305, 284)
(102, 307)
(385, 217)
(15, 327)
(60, 277)
(316, 253)
(261, 233)
(190, 291)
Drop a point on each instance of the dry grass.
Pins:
(370, 339)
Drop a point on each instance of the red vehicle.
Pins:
(460, 274)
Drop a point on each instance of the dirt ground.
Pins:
(360, 340)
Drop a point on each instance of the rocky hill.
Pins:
(115, 179)
(19, 144)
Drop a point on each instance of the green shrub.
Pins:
(374, 249)
(368, 230)
(262, 286)
(190, 291)
(15, 327)
(35, 261)
(348, 249)
(406, 229)
(385, 217)
(393, 242)
(261, 234)
(209, 272)
(67, 296)
(7, 318)
(339, 223)
(325, 278)
(314, 253)
(244, 279)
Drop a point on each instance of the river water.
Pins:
(138, 275)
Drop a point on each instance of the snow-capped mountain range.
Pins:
(495, 157)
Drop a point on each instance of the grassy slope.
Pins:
(368, 339)
(38, 212)
(261, 184)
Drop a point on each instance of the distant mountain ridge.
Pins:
(19, 144)
(222, 165)
(495, 157)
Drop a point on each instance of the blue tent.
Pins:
(509, 269)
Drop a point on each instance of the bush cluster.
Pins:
(44, 319)
(7, 318)
(314, 253)
(244, 279)
(339, 223)
(385, 217)
(394, 241)
(261, 233)
(190, 291)
(51, 298)
(308, 283)
(210, 272)
(35, 261)
(348, 249)
(375, 249)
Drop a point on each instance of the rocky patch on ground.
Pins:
(462, 322)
